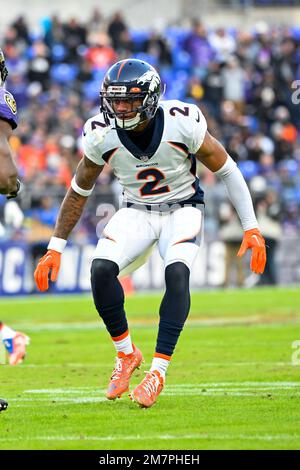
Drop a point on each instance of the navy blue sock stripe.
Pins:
(169, 333)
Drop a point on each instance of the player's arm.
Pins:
(8, 170)
(70, 211)
(213, 155)
(9, 183)
(72, 206)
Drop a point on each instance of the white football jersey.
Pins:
(163, 173)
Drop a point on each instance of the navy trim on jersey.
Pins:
(181, 145)
(189, 240)
(155, 141)
(196, 240)
(106, 156)
(193, 164)
(198, 196)
(194, 201)
(163, 206)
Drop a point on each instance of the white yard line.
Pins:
(238, 384)
(164, 437)
(223, 386)
(63, 400)
(229, 393)
(197, 322)
(78, 395)
(192, 393)
(203, 364)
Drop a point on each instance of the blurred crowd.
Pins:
(245, 82)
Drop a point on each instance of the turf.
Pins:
(231, 384)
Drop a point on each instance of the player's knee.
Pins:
(103, 271)
(177, 277)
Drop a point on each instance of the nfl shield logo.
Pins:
(144, 158)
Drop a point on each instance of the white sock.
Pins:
(124, 345)
(160, 364)
(7, 333)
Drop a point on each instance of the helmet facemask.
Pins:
(143, 112)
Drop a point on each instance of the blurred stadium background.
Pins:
(238, 60)
(234, 378)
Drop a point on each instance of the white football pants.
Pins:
(130, 235)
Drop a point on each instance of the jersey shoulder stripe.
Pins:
(98, 139)
(185, 123)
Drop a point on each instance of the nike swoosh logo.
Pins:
(257, 239)
(198, 117)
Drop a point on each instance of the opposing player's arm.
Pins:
(72, 206)
(213, 155)
(8, 169)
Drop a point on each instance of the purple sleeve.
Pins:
(8, 108)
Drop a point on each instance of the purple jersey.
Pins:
(8, 108)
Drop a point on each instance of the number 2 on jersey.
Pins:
(150, 188)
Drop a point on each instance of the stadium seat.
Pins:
(248, 169)
(91, 90)
(295, 32)
(147, 58)
(291, 166)
(181, 59)
(297, 195)
(63, 73)
(290, 195)
(98, 74)
(58, 52)
(139, 37)
(176, 36)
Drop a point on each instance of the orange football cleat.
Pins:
(125, 366)
(146, 393)
(254, 240)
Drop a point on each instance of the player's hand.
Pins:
(49, 262)
(254, 240)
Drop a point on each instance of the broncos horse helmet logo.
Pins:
(152, 77)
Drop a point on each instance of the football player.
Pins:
(9, 185)
(152, 147)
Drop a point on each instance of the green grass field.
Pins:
(231, 384)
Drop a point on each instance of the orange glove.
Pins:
(50, 261)
(253, 239)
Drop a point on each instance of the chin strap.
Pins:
(129, 123)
